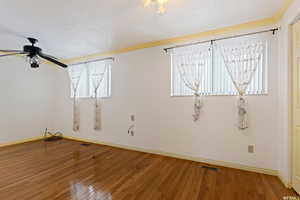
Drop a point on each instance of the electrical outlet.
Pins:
(132, 117)
(251, 149)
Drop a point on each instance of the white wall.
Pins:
(35, 99)
(284, 146)
(27, 96)
(141, 86)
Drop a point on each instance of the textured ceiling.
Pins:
(73, 28)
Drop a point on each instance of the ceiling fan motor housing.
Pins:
(31, 50)
(32, 53)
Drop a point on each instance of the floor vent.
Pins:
(85, 144)
(210, 168)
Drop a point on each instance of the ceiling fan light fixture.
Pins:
(34, 62)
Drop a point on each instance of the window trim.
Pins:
(265, 74)
(109, 85)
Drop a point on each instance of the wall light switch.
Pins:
(251, 149)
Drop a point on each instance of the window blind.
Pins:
(217, 80)
(85, 89)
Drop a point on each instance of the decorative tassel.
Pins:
(242, 113)
(76, 114)
(197, 107)
(97, 122)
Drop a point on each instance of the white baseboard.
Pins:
(21, 141)
(197, 159)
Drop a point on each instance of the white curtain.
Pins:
(241, 62)
(193, 64)
(97, 72)
(75, 73)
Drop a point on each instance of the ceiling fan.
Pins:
(33, 54)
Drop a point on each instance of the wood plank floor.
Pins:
(66, 170)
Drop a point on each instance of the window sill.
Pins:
(221, 95)
(90, 98)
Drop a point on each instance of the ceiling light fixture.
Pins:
(159, 3)
(34, 61)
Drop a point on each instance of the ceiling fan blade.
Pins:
(12, 54)
(10, 51)
(46, 57)
(50, 56)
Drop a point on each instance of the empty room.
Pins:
(150, 100)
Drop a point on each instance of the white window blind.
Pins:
(217, 80)
(192, 58)
(85, 89)
(105, 86)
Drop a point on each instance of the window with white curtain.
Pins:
(85, 89)
(216, 78)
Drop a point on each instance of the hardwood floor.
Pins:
(66, 170)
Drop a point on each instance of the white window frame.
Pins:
(85, 81)
(265, 87)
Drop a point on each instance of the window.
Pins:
(85, 86)
(216, 80)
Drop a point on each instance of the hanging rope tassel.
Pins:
(76, 115)
(97, 122)
(197, 107)
(242, 113)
